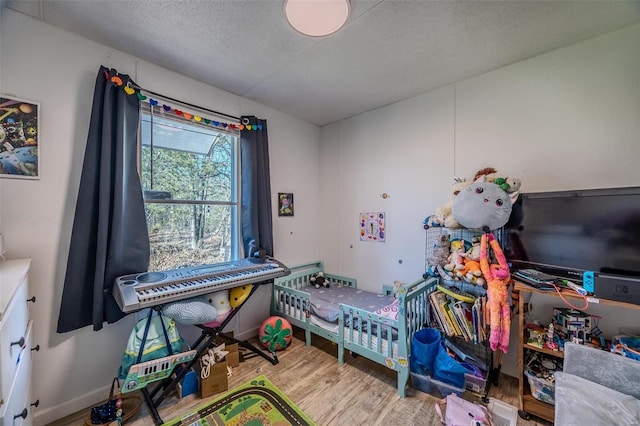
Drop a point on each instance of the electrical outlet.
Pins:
(2, 249)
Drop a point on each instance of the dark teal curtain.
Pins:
(109, 236)
(257, 226)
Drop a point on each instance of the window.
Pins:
(190, 180)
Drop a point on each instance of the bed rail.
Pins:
(301, 276)
(291, 301)
(387, 340)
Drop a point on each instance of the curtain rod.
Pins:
(107, 74)
(190, 105)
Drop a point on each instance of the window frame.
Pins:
(236, 173)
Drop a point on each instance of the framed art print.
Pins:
(285, 204)
(372, 227)
(19, 138)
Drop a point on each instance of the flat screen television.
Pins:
(565, 233)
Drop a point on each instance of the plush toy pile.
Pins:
(484, 201)
(482, 204)
(456, 260)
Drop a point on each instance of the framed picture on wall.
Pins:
(285, 204)
(372, 227)
(19, 138)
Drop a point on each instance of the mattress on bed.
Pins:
(325, 301)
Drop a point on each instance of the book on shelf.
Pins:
(479, 325)
(452, 318)
(437, 299)
(474, 321)
(484, 315)
(461, 310)
(436, 311)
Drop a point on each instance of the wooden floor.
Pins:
(360, 392)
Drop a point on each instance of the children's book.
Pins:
(461, 310)
(436, 311)
(437, 300)
(452, 318)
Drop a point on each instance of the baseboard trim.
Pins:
(248, 334)
(49, 415)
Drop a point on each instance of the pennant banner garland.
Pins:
(187, 116)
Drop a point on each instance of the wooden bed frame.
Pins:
(383, 340)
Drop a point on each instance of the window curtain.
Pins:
(257, 230)
(109, 236)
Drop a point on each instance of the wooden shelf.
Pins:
(527, 403)
(557, 354)
(538, 408)
(520, 286)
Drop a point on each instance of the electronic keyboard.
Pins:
(149, 289)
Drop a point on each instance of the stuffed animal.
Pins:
(446, 215)
(433, 221)
(443, 215)
(439, 255)
(396, 287)
(498, 277)
(472, 273)
(482, 204)
(485, 172)
(474, 251)
(456, 257)
(507, 184)
(318, 280)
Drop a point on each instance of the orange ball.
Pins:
(275, 333)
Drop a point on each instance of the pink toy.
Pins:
(498, 278)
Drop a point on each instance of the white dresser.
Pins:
(15, 344)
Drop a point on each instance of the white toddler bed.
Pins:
(376, 326)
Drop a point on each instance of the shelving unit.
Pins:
(528, 405)
(481, 349)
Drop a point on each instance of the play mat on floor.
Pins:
(256, 403)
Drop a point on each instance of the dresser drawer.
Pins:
(13, 330)
(18, 397)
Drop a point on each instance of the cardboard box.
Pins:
(233, 357)
(216, 382)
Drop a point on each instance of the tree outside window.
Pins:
(190, 177)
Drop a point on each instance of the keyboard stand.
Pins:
(207, 338)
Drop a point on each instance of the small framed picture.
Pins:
(19, 138)
(285, 204)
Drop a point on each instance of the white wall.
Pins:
(58, 70)
(567, 119)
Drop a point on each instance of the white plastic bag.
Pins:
(460, 412)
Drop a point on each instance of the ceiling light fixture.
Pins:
(317, 18)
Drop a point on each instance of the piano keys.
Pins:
(149, 289)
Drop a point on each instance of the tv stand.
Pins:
(528, 405)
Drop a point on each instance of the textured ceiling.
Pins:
(388, 51)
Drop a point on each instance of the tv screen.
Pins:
(568, 232)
